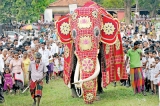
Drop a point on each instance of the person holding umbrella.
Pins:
(37, 72)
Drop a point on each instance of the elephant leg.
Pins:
(99, 81)
(99, 78)
(99, 86)
(73, 89)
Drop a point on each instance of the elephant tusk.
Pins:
(77, 85)
(76, 75)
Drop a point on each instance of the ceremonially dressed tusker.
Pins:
(93, 50)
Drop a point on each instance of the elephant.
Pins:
(93, 54)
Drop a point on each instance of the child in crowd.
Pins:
(50, 70)
(156, 73)
(56, 65)
(61, 65)
(8, 80)
(149, 69)
(128, 84)
(144, 62)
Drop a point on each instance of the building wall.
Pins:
(59, 11)
(120, 15)
(57, 16)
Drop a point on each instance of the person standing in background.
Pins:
(45, 58)
(137, 79)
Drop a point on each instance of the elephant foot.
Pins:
(100, 92)
(74, 94)
(114, 84)
(97, 98)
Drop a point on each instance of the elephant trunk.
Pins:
(77, 73)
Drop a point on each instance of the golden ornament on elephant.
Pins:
(66, 51)
(89, 96)
(107, 49)
(85, 43)
(65, 28)
(108, 28)
(95, 14)
(87, 65)
(89, 85)
(84, 22)
(117, 44)
(74, 16)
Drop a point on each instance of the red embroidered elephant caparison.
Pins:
(86, 28)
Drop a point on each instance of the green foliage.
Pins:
(22, 10)
(150, 5)
(113, 3)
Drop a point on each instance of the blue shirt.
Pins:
(54, 36)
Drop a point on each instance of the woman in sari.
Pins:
(26, 62)
(16, 66)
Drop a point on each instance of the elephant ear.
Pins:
(110, 28)
(63, 29)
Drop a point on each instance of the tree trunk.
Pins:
(153, 10)
(153, 13)
(127, 7)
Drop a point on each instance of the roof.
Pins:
(64, 3)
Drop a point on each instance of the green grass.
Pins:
(56, 93)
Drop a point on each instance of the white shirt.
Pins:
(19, 43)
(157, 68)
(150, 61)
(37, 74)
(36, 33)
(56, 62)
(45, 56)
(144, 59)
(32, 45)
(144, 38)
(143, 28)
(54, 48)
(1, 64)
(122, 34)
(3, 42)
(62, 64)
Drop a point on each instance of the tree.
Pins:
(22, 10)
(127, 6)
(150, 5)
(112, 3)
(97, 1)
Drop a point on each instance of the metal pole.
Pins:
(135, 18)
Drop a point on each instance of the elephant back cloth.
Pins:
(82, 32)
